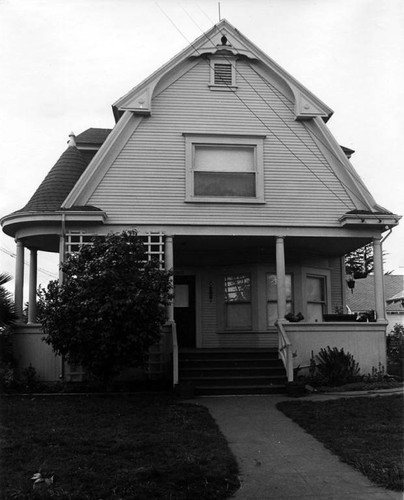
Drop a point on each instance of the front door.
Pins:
(184, 310)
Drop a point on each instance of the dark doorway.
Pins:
(184, 310)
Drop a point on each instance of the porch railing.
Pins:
(285, 350)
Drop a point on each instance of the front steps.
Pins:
(232, 371)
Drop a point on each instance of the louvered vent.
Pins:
(223, 74)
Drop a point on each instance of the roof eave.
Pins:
(383, 221)
(11, 223)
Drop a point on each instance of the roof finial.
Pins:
(218, 5)
(72, 140)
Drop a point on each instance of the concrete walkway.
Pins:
(279, 460)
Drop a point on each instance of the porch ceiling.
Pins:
(264, 246)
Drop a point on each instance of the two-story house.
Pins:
(224, 163)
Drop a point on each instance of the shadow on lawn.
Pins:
(126, 447)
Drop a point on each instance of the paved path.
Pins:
(279, 460)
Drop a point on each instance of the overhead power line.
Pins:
(40, 269)
(322, 160)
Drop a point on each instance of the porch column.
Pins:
(378, 279)
(33, 266)
(280, 277)
(19, 279)
(169, 266)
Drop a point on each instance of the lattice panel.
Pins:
(154, 243)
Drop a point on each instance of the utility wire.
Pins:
(322, 159)
(317, 153)
(40, 269)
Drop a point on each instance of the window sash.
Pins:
(272, 297)
(224, 184)
(224, 158)
(237, 302)
(315, 298)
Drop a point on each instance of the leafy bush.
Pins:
(7, 361)
(337, 367)
(7, 309)
(110, 307)
(395, 344)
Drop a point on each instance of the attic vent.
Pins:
(223, 74)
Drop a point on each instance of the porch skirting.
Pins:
(365, 341)
(30, 349)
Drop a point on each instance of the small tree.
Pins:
(110, 308)
(7, 310)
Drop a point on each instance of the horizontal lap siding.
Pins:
(146, 183)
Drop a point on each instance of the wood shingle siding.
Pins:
(146, 183)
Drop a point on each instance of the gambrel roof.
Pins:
(282, 110)
(139, 99)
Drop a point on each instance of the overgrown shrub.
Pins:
(337, 367)
(395, 344)
(7, 361)
(110, 307)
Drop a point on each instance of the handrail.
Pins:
(285, 350)
(175, 353)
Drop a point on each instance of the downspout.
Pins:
(62, 246)
(386, 236)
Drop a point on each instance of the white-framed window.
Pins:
(272, 297)
(223, 74)
(224, 168)
(316, 296)
(237, 302)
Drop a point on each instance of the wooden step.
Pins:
(232, 371)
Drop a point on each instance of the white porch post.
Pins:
(19, 279)
(280, 277)
(33, 266)
(169, 265)
(378, 280)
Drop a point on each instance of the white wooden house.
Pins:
(225, 163)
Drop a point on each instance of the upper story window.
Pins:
(223, 74)
(224, 168)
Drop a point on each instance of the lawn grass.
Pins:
(98, 447)
(366, 433)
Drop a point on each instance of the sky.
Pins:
(64, 63)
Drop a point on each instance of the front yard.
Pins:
(367, 433)
(96, 447)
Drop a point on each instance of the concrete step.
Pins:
(234, 370)
(239, 390)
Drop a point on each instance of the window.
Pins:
(224, 169)
(272, 297)
(237, 299)
(316, 298)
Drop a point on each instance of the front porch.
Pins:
(231, 290)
